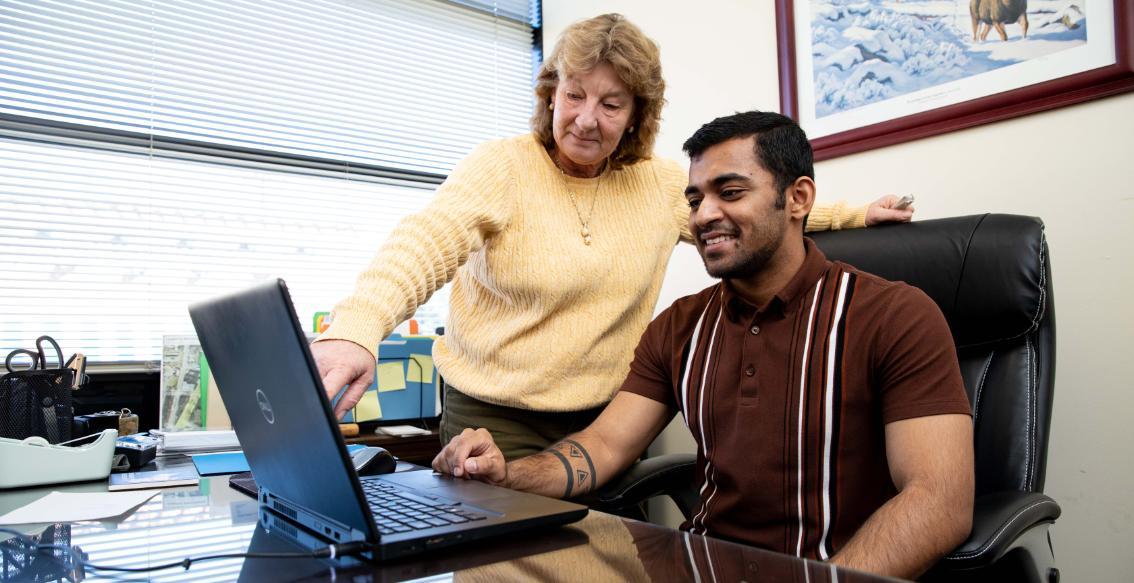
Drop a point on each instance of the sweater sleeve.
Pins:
(673, 179)
(836, 216)
(424, 251)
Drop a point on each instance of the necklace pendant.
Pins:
(587, 239)
(586, 232)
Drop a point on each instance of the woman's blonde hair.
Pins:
(612, 39)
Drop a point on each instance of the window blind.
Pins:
(156, 153)
(411, 85)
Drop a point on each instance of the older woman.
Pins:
(556, 243)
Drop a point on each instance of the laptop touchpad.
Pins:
(434, 484)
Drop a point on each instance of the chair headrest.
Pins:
(988, 273)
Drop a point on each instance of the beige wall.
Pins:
(1073, 167)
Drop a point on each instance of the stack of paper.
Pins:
(184, 475)
(401, 430)
(196, 441)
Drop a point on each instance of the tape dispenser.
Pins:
(34, 461)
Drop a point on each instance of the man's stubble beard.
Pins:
(750, 263)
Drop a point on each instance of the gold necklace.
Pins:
(585, 232)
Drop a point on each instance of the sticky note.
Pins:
(391, 377)
(420, 374)
(368, 408)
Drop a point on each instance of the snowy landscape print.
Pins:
(867, 51)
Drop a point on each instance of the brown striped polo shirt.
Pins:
(788, 402)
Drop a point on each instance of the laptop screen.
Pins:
(275, 399)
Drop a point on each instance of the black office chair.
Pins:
(991, 276)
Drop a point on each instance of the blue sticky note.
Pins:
(233, 462)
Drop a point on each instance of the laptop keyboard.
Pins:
(396, 510)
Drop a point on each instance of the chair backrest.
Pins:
(991, 276)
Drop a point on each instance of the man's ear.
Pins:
(800, 197)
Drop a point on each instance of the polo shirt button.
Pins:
(750, 371)
(755, 330)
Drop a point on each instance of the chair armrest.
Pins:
(999, 519)
(670, 474)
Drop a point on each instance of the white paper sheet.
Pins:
(401, 430)
(71, 507)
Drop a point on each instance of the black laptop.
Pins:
(273, 393)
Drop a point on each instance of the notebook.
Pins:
(284, 421)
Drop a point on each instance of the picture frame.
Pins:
(1076, 72)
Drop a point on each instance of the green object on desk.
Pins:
(204, 387)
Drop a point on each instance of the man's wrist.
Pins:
(506, 482)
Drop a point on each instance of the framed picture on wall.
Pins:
(861, 74)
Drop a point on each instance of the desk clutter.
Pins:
(406, 385)
(35, 393)
(37, 420)
(33, 461)
(42, 441)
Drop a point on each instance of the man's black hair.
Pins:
(781, 146)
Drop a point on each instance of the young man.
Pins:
(827, 403)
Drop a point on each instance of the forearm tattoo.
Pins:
(578, 466)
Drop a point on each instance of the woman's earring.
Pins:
(551, 106)
(631, 130)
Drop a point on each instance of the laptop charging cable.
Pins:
(74, 559)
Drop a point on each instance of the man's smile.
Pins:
(716, 241)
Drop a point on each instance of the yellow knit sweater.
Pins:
(538, 320)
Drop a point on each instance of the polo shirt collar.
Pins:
(787, 299)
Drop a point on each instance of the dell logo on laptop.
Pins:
(265, 407)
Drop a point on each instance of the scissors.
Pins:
(39, 357)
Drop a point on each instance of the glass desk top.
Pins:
(212, 518)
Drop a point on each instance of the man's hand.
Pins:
(883, 211)
(343, 363)
(473, 455)
(573, 466)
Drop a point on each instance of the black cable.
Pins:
(75, 554)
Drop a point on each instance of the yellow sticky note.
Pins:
(391, 376)
(368, 408)
(422, 373)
